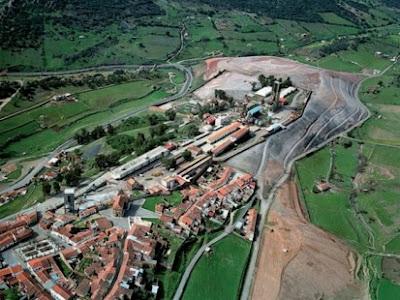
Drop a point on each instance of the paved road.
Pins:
(8, 99)
(192, 264)
(69, 143)
(383, 254)
(40, 165)
(228, 230)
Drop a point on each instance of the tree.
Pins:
(73, 176)
(110, 129)
(122, 142)
(12, 294)
(171, 114)
(82, 137)
(187, 155)
(56, 187)
(266, 81)
(46, 187)
(59, 177)
(140, 139)
(153, 119)
(287, 83)
(98, 132)
(8, 88)
(159, 130)
(106, 161)
(169, 163)
(220, 94)
(191, 130)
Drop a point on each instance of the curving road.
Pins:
(69, 143)
(228, 230)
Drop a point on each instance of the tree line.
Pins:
(94, 81)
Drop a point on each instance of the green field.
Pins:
(143, 44)
(43, 128)
(387, 290)
(335, 19)
(394, 245)
(109, 96)
(233, 32)
(385, 106)
(170, 278)
(332, 210)
(219, 274)
(174, 199)
(33, 196)
(362, 207)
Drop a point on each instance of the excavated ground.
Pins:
(300, 261)
(296, 260)
(332, 108)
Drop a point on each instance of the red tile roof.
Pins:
(70, 253)
(222, 147)
(103, 224)
(64, 293)
(10, 271)
(219, 134)
(223, 179)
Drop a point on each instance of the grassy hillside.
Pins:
(29, 18)
(362, 207)
(288, 9)
(73, 34)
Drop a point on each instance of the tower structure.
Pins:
(69, 200)
(276, 96)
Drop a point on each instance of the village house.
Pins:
(49, 275)
(15, 276)
(250, 224)
(120, 204)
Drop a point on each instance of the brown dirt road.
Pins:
(300, 261)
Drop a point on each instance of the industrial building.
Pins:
(286, 92)
(139, 162)
(220, 134)
(264, 92)
(254, 111)
(229, 142)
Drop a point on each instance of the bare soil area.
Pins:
(332, 109)
(234, 84)
(297, 260)
(300, 261)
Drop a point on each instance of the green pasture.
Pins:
(333, 18)
(174, 199)
(33, 196)
(219, 273)
(43, 128)
(387, 290)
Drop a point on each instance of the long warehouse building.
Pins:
(139, 162)
(220, 134)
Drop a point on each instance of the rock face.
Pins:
(300, 261)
